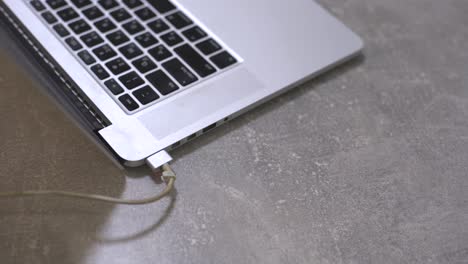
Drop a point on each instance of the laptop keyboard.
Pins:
(141, 51)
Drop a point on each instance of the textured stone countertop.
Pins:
(366, 164)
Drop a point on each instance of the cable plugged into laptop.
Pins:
(157, 162)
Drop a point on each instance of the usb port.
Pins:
(208, 128)
(175, 145)
(192, 136)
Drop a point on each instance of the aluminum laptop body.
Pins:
(271, 46)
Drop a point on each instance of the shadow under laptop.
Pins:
(41, 148)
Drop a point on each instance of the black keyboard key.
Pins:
(49, 17)
(208, 46)
(100, 72)
(195, 60)
(163, 6)
(86, 57)
(104, 52)
(67, 14)
(91, 39)
(105, 25)
(117, 66)
(177, 70)
(130, 51)
(146, 40)
(128, 102)
(179, 20)
(117, 37)
(158, 26)
(144, 64)
(145, 95)
(37, 5)
(194, 34)
(73, 43)
(223, 60)
(133, 27)
(79, 26)
(131, 80)
(81, 3)
(114, 87)
(108, 4)
(160, 53)
(145, 13)
(132, 3)
(93, 13)
(54, 4)
(61, 30)
(162, 82)
(171, 38)
(120, 15)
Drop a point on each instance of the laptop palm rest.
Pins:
(212, 99)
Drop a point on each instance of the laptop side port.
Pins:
(194, 135)
(199, 133)
(175, 145)
(208, 128)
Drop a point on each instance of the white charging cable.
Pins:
(155, 162)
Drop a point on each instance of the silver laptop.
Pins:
(146, 76)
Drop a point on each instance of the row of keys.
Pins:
(94, 12)
(178, 19)
(130, 51)
(163, 6)
(171, 38)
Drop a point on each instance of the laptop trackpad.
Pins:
(198, 106)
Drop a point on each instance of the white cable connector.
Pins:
(156, 161)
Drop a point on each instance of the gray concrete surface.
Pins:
(366, 164)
